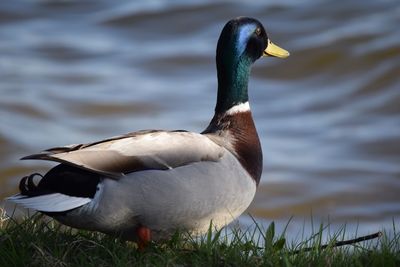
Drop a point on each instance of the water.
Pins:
(328, 116)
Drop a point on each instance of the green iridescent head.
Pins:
(242, 41)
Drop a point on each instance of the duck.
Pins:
(146, 185)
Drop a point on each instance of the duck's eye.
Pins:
(258, 31)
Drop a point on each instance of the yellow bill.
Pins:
(273, 50)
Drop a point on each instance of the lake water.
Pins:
(328, 116)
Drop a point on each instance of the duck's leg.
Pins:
(144, 236)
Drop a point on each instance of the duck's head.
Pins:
(243, 40)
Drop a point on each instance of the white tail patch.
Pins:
(242, 107)
(49, 203)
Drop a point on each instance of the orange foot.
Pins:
(144, 237)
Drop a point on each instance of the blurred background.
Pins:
(328, 116)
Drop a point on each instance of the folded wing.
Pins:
(136, 151)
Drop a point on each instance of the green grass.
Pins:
(37, 241)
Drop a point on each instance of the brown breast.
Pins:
(239, 128)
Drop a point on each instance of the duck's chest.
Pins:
(238, 133)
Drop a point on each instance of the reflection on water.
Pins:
(328, 116)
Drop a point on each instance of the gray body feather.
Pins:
(187, 197)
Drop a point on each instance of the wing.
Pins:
(136, 151)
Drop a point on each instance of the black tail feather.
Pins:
(27, 186)
(64, 179)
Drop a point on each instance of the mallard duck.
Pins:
(146, 185)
